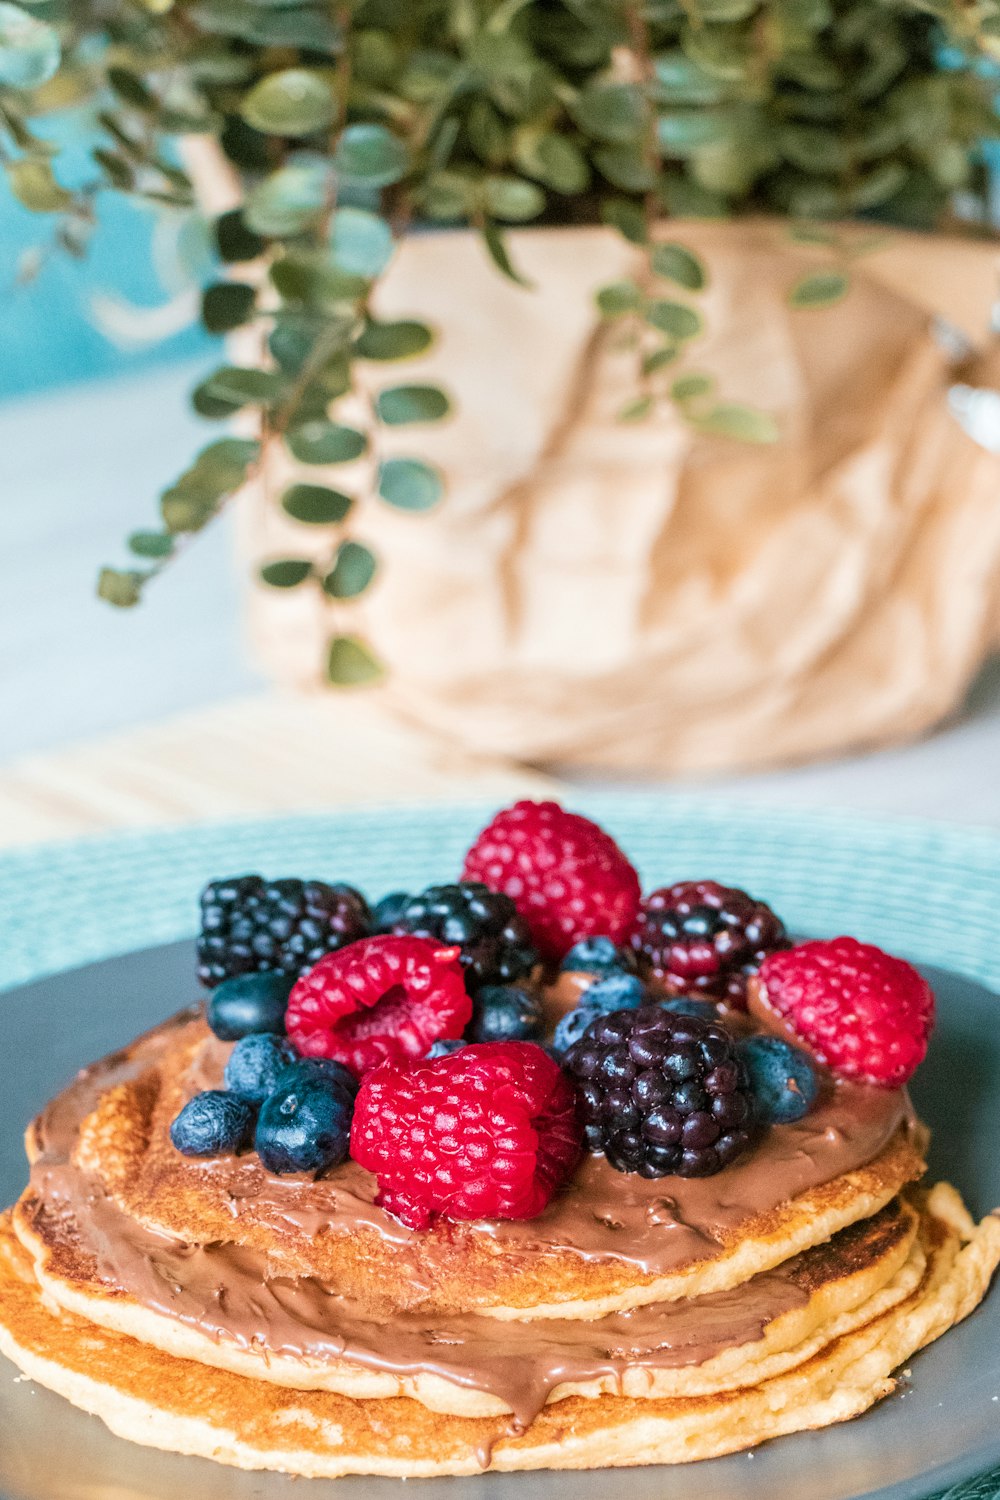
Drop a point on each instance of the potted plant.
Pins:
(663, 473)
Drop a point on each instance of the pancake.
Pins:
(224, 1310)
(608, 1242)
(154, 1398)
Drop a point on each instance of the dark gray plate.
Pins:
(943, 1426)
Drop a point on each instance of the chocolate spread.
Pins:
(226, 1292)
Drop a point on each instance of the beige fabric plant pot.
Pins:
(635, 596)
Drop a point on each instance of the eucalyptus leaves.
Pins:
(349, 123)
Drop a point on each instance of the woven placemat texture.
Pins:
(929, 891)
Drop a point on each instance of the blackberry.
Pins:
(250, 925)
(705, 939)
(494, 942)
(662, 1094)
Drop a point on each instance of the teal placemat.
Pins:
(929, 891)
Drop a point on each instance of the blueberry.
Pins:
(612, 993)
(571, 1028)
(782, 1077)
(256, 1063)
(250, 1004)
(387, 912)
(702, 1008)
(444, 1049)
(214, 1124)
(505, 1013)
(598, 955)
(320, 1070)
(305, 1126)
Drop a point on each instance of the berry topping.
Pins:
(387, 912)
(489, 1132)
(662, 1094)
(251, 1004)
(598, 955)
(704, 1009)
(444, 1049)
(782, 1077)
(305, 1125)
(494, 943)
(382, 998)
(214, 1124)
(249, 925)
(322, 1070)
(256, 1064)
(613, 992)
(505, 1013)
(705, 938)
(565, 875)
(864, 1013)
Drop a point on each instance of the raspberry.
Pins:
(382, 998)
(662, 1094)
(706, 939)
(249, 925)
(494, 942)
(565, 875)
(489, 1132)
(864, 1013)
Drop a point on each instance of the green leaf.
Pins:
(819, 289)
(286, 572)
(660, 358)
(193, 499)
(691, 387)
(155, 544)
(231, 387)
(291, 199)
(123, 589)
(352, 572)
(228, 459)
(613, 112)
(361, 242)
(553, 159)
(304, 26)
(29, 49)
(496, 246)
(674, 318)
(315, 505)
(33, 184)
(617, 298)
(409, 484)
(675, 263)
(512, 199)
(294, 102)
(627, 217)
(626, 167)
(385, 341)
(370, 155)
(131, 89)
(636, 410)
(235, 240)
(227, 305)
(743, 423)
(351, 663)
(401, 404)
(315, 281)
(489, 137)
(322, 442)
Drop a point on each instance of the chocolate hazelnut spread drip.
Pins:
(226, 1291)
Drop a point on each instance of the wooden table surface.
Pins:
(266, 753)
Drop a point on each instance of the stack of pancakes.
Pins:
(208, 1307)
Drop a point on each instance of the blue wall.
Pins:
(47, 336)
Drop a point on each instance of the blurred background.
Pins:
(642, 589)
